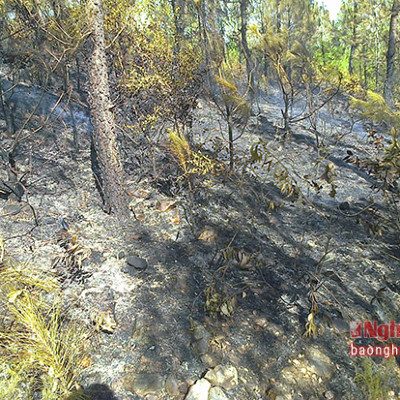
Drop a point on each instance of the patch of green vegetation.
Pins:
(42, 352)
(375, 381)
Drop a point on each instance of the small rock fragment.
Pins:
(200, 346)
(320, 362)
(171, 385)
(209, 360)
(225, 376)
(136, 262)
(344, 206)
(166, 205)
(199, 391)
(208, 235)
(329, 395)
(340, 325)
(144, 384)
(104, 322)
(216, 393)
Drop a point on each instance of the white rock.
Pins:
(216, 393)
(199, 391)
(223, 375)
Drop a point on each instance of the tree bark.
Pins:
(104, 138)
(245, 47)
(353, 38)
(391, 53)
(176, 10)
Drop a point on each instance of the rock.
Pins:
(166, 205)
(12, 209)
(136, 262)
(199, 391)
(216, 393)
(172, 386)
(144, 384)
(200, 332)
(344, 206)
(201, 336)
(209, 360)
(181, 284)
(223, 375)
(104, 322)
(208, 235)
(183, 387)
(21, 211)
(320, 362)
(121, 254)
(127, 269)
(340, 325)
(200, 346)
(329, 395)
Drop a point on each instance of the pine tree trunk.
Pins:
(245, 47)
(202, 21)
(391, 52)
(104, 138)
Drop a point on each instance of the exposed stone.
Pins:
(171, 385)
(344, 206)
(201, 336)
(329, 395)
(216, 393)
(166, 205)
(143, 384)
(320, 362)
(340, 325)
(200, 346)
(225, 376)
(200, 332)
(208, 235)
(199, 391)
(104, 322)
(209, 360)
(136, 262)
(21, 211)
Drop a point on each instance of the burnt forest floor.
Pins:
(225, 270)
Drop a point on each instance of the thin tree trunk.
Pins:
(230, 137)
(178, 28)
(278, 16)
(365, 66)
(353, 38)
(104, 133)
(377, 63)
(245, 47)
(8, 116)
(391, 53)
